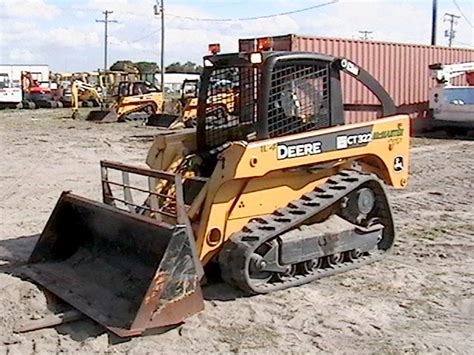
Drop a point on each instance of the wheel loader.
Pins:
(279, 194)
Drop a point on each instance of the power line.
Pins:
(146, 36)
(434, 22)
(451, 33)
(464, 43)
(365, 34)
(462, 13)
(149, 34)
(159, 9)
(106, 22)
(253, 18)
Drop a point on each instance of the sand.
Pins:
(419, 300)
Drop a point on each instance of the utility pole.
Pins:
(452, 19)
(365, 34)
(434, 19)
(160, 10)
(106, 21)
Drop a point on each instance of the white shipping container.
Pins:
(173, 81)
(39, 72)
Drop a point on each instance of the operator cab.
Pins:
(127, 88)
(261, 95)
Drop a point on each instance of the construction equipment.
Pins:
(82, 92)
(39, 94)
(219, 105)
(279, 193)
(452, 106)
(181, 112)
(132, 97)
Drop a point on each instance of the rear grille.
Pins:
(231, 109)
(298, 102)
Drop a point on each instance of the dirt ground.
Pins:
(419, 300)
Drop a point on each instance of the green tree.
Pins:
(188, 67)
(146, 67)
(135, 67)
(123, 65)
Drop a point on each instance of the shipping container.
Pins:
(402, 69)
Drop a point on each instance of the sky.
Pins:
(65, 34)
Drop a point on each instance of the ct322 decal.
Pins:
(355, 140)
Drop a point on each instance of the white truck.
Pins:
(11, 93)
(452, 106)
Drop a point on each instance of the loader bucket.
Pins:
(125, 271)
(102, 116)
(162, 120)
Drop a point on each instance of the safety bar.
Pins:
(164, 193)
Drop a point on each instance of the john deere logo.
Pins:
(398, 164)
(298, 150)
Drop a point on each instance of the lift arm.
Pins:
(443, 74)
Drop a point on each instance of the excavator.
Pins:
(38, 94)
(278, 193)
(82, 91)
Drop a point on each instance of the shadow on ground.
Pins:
(448, 134)
(14, 254)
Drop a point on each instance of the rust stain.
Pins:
(159, 281)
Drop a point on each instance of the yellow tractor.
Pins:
(219, 105)
(278, 193)
(179, 112)
(132, 97)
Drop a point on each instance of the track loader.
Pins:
(278, 193)
(132, 97)
(180, 112)
(218, 105)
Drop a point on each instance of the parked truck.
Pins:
(452, 106)
(10, 92)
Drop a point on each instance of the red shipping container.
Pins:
(402, 69)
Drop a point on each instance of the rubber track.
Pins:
(235, 256)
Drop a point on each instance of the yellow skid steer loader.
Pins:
(278, 193)
(132, 97)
